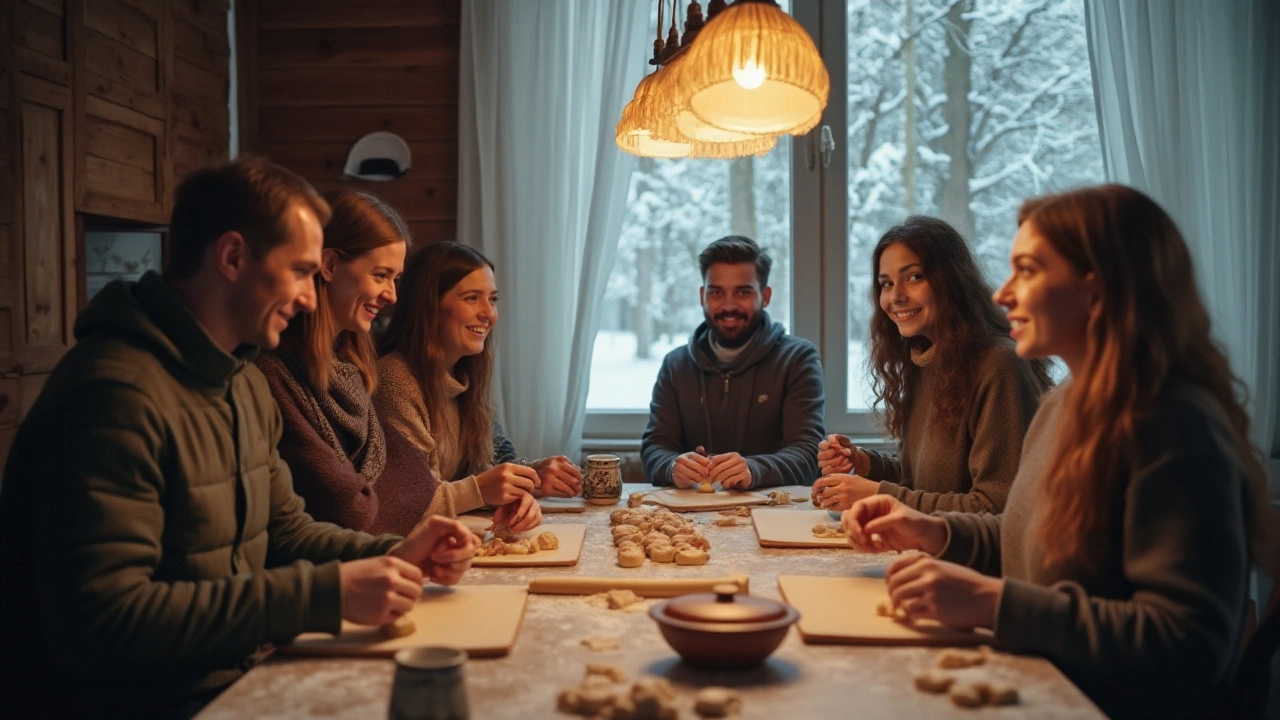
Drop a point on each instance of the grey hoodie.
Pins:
(766, 405)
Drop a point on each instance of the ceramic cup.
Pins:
(602, 483)
(428, 685)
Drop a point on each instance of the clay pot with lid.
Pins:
(723, 629)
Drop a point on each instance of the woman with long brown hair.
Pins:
(436, 378)
(1124, 552)
(955, 394)
(322, 376)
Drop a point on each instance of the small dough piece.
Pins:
(651, 697)
(634, 537)
(779, 497)
(706, 487)
(600, 644)
(619, 599)
(886, 609)
(584, 701)
(402, 626)
(999, 693)
(692, 556)
(548, 541)
(632, 557)
(663, 553)
(967, 694)
(502, 532)
(740, 511)
(519, 547)
(932, 681)
(624, 529)
(729, 521)
(613, 672)
(828, 530)
(635, 499)
(717, 702)
(956, 659)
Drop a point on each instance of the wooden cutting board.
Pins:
(688, 500)
(779, 527)
(562, 505)
(570, 534)
(481, 619)
(842, 610)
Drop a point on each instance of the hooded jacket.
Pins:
(150, 537)
(767, 405)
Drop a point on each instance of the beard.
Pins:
(732, 341)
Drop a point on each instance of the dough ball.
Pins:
(968, 695)
(956, 659)
(663, 553)
(716, 702)
(548, 541)
(635, 499)
(706, 487)
(932, 681)
(619, 599)
(632, 557)
(402, 626)
(519, 547)
(692, 556)
(999, 693)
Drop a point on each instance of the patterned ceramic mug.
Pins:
(602, 484)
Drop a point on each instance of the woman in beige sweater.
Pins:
(954, 394)
(435, 387)
(1123, 554)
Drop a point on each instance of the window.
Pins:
(958, 109)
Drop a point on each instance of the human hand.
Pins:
(690, 469)
(558, 476)
(506, 483)
(893, 525)
(376, 591)
(956, 596)
(520, 515)
(840, 492)
(440, 547)
(838, 454)
(730, 470)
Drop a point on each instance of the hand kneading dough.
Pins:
(631, 557)
(715, 702)
(402, 626)
(691, 556)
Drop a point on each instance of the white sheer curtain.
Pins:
(1188, 96)
(542, 190)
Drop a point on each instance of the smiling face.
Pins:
(905, 295)
(1048, 301)
(733, 302)
(272, 290)
(468, 313)
(359, 289)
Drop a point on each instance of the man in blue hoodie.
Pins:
(741, 405)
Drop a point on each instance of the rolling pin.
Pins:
(642, 587)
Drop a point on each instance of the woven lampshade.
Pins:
(753, 69)
(635, 130)
(705, 141)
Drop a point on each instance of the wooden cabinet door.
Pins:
(45, 225)
(123, 61)
(42, 39)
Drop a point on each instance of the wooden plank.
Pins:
(123, 24)
(57, 8)
(6, 139)
(204, 118)
(385, 47)
(430, 159)
(192, 80)
(198, 46)
(429, 231)
(6, 249)
(40, 30)
(209, 14)
(7, 356)
(7, 195)
(309, 87)
(120, 63)
(189, 156)
(120, 144)
(347, 14)
(429, 122)
(116, 180)
(414, 199)
(121, 93)
(42, 179)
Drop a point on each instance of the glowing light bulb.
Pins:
(749, 76)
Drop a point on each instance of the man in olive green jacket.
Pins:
(150, 538)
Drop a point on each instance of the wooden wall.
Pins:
(316, 75)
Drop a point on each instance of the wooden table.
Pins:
(798, 681)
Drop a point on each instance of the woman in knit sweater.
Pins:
(1123, 554)
(955, 395)
(349, 471)
(435, 386)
